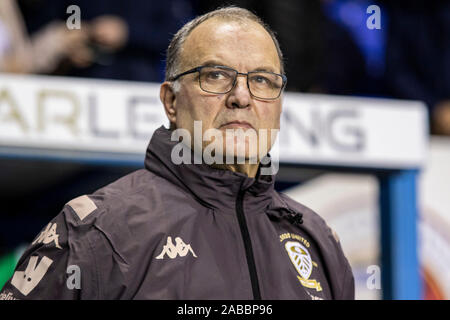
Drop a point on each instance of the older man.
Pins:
(180, 230)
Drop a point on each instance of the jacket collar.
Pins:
(214, 188)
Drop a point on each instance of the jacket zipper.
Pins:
(248, 245)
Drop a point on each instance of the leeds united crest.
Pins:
(302, 261)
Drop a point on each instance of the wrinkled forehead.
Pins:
(236, 43)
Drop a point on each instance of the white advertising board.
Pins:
(87, 116)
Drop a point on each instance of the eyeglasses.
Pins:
(220, 79)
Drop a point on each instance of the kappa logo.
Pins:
(48, 235)
(301, 259)
(26, 281)
(179, 249)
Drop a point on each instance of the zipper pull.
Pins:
(294, 217)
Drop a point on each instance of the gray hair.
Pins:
(227, 13)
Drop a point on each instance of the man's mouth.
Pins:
(236, 125)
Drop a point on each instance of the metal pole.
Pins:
(400, 269)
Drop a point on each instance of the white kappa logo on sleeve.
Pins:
(48, 235)
(27, 280)
(172, 250)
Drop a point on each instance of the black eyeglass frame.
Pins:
(199, 68)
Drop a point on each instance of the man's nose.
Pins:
(239, 97)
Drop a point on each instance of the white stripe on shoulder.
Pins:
(83, 206)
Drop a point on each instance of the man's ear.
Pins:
(168, 99)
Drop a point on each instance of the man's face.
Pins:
(243, 47)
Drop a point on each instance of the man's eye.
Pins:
(261, 80)
(216, 75)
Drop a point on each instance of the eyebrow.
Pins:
(211, 63)
(268, 69)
